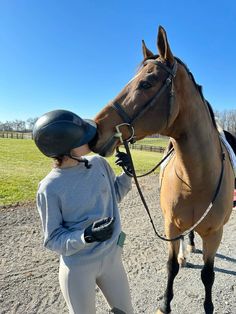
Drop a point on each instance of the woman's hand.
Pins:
(123, 160)
(100, 230)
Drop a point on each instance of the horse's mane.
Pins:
(198, 87)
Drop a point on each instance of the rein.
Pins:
(126, 145)
(118, 134)
(128, 121)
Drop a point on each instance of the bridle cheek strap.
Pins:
(151, 103)
(121, 112)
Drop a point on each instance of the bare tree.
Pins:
(19, 125)
(227, 119)
(7, 126)
(30, 122)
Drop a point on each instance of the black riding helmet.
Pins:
(57, 132)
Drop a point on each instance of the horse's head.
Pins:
(145, 105)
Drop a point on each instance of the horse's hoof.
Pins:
(182, 262)
(191, 248)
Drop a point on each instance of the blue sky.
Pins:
(77, 55)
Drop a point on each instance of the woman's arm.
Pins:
(56, 237)
(122, 183)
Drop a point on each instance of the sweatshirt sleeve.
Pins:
(122, 183)
(56, 237)
(122, 186)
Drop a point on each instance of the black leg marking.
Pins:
(208, 276)
(172, 269)
(191, 238)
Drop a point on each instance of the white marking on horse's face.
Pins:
(137, 75)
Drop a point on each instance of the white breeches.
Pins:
(78, 283)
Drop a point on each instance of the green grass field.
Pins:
(22, 166)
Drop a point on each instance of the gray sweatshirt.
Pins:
(70, 199)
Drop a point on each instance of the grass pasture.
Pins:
(22, 166)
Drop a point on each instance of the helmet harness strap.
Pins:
(81, 159)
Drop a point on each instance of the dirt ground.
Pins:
(29, 273)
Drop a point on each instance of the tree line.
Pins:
(226, 118)
(18, 125)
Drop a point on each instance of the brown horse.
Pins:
(164, 98)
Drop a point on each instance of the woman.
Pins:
(77, 203)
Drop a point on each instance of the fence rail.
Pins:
(149, 148)
(146, 147)
(17, 135)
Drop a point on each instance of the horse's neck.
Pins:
(196, 144)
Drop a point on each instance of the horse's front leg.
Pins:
(211, 243)
(172, 269)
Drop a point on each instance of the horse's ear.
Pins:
(163, 46)
(146, 52)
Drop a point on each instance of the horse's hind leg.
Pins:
(210, 245)
(172, 271)
(191, 245)
(182, 254)
(190, 248)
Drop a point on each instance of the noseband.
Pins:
(129, 121)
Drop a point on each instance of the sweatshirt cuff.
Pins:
(77, 240)
(82, 239)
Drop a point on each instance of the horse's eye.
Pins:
(145, 85)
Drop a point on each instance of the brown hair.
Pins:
(58, 161)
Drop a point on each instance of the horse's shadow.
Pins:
(217, 269)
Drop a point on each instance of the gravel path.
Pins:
(28, 273)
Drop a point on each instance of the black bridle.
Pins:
(129, 121)
(151, 103)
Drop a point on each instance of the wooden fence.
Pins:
(146, 147)
(17, 135)
(150, 148)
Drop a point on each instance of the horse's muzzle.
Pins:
(106, 149)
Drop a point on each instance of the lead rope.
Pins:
(145, 203)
